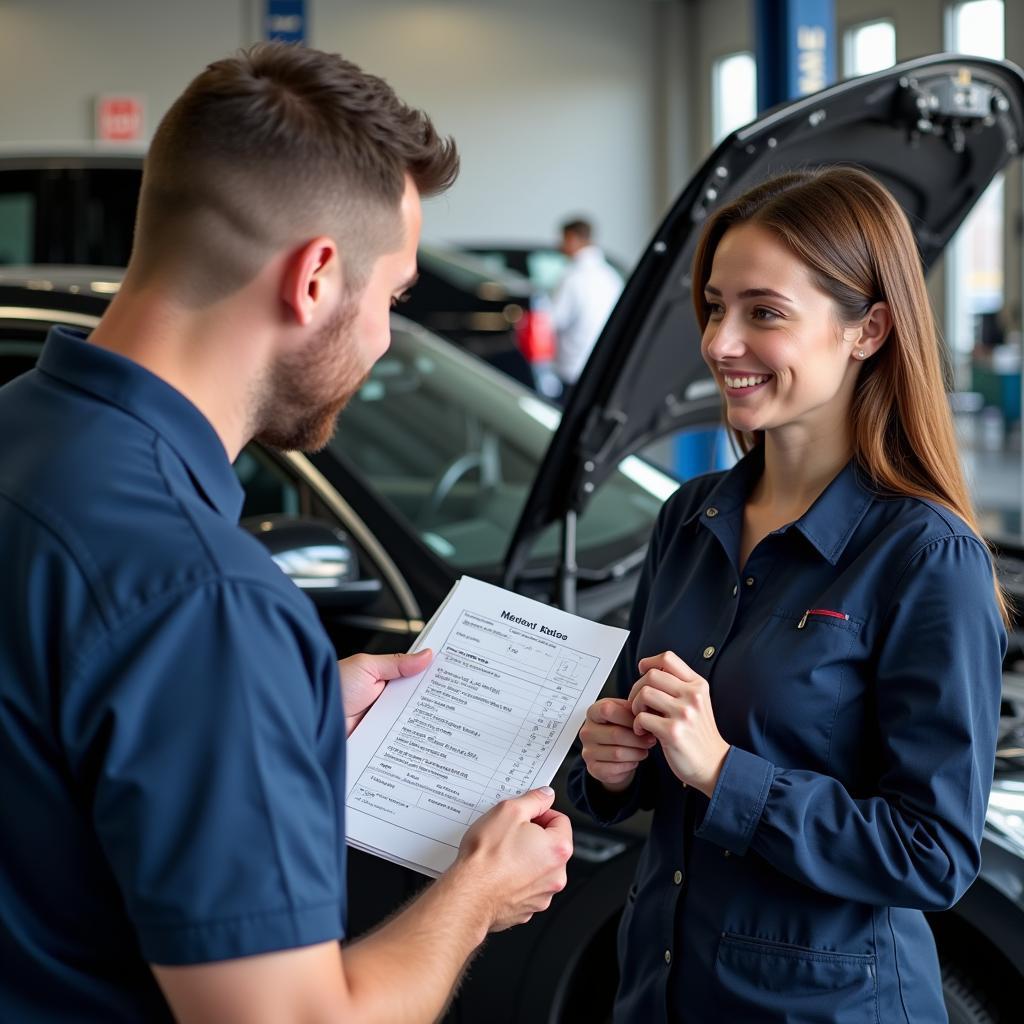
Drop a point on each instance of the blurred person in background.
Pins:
(582, 301)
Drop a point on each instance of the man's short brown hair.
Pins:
(273, 146)
(579, 227)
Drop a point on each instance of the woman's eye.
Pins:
(715, 309)
(764, 315)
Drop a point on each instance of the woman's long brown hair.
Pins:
(855, 239)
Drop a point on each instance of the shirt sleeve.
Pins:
(202, 730)
(916, 842)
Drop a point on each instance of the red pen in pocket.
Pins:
(821, 611)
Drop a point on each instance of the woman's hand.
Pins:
(612, 749)
(673, 704)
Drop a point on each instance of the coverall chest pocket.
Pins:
(801, 673)
(776, 982)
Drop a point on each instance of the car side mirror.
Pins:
(317, 557)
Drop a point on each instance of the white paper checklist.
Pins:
(493, 716)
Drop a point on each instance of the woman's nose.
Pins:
(724, 339)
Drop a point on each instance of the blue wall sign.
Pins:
(796, 48)
(285, 21)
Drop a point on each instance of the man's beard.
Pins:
(304, 392)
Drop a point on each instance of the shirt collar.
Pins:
(119, 381)
(828, 524)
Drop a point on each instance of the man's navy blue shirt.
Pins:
(171, 732)
(854, 664)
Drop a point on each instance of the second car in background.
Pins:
(78, 208)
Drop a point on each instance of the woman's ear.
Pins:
(871, 333)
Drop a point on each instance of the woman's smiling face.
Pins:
(773, 340)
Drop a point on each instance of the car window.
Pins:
(546, 267)
(455, 447)
(268, 489)
(68, 215)
(17, 215)
(464, 270)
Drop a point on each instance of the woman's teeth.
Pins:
(746, 382)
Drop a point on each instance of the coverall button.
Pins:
(711, 512)
(677, 877)
(668, 956)
(735, 590)
(709, 652)
(749, 581)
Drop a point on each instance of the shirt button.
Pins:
(709, 652)
(749, 581)
(727, 853)
(677, 877)
(735, 590)
(668, 956)
(711, 512)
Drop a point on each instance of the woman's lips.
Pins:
(739, 385)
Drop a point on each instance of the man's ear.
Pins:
(312, 274)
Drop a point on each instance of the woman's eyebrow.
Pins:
(751, 293)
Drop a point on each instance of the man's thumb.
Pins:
(411, 664)
(536, 801)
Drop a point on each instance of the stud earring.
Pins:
(860, 354)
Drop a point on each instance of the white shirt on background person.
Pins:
(581, 304)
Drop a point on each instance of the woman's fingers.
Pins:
(615, 736)
(649, 698)
(611, 710)
(657, 725)
(670, 662)
(660, 680)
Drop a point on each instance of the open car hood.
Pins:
(934, 130)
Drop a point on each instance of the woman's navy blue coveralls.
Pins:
(855, 667)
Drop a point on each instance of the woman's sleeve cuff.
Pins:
(606, 807)
(737, 801)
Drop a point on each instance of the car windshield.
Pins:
(468, 272)
(455, 446)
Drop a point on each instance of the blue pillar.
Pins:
(796, 48)
(285, 21)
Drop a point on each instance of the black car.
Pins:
(75, 209)
(543, 263)
(559, 506)
(493, 312)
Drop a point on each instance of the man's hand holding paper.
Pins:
(492, 717)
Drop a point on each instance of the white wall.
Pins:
(56, 55)
(552, 102)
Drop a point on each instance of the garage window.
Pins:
(733, 93)
(869, 47)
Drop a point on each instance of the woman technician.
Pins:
(816, 642)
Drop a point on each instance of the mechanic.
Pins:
(818, 636)
(172, 716)
(583, 300)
